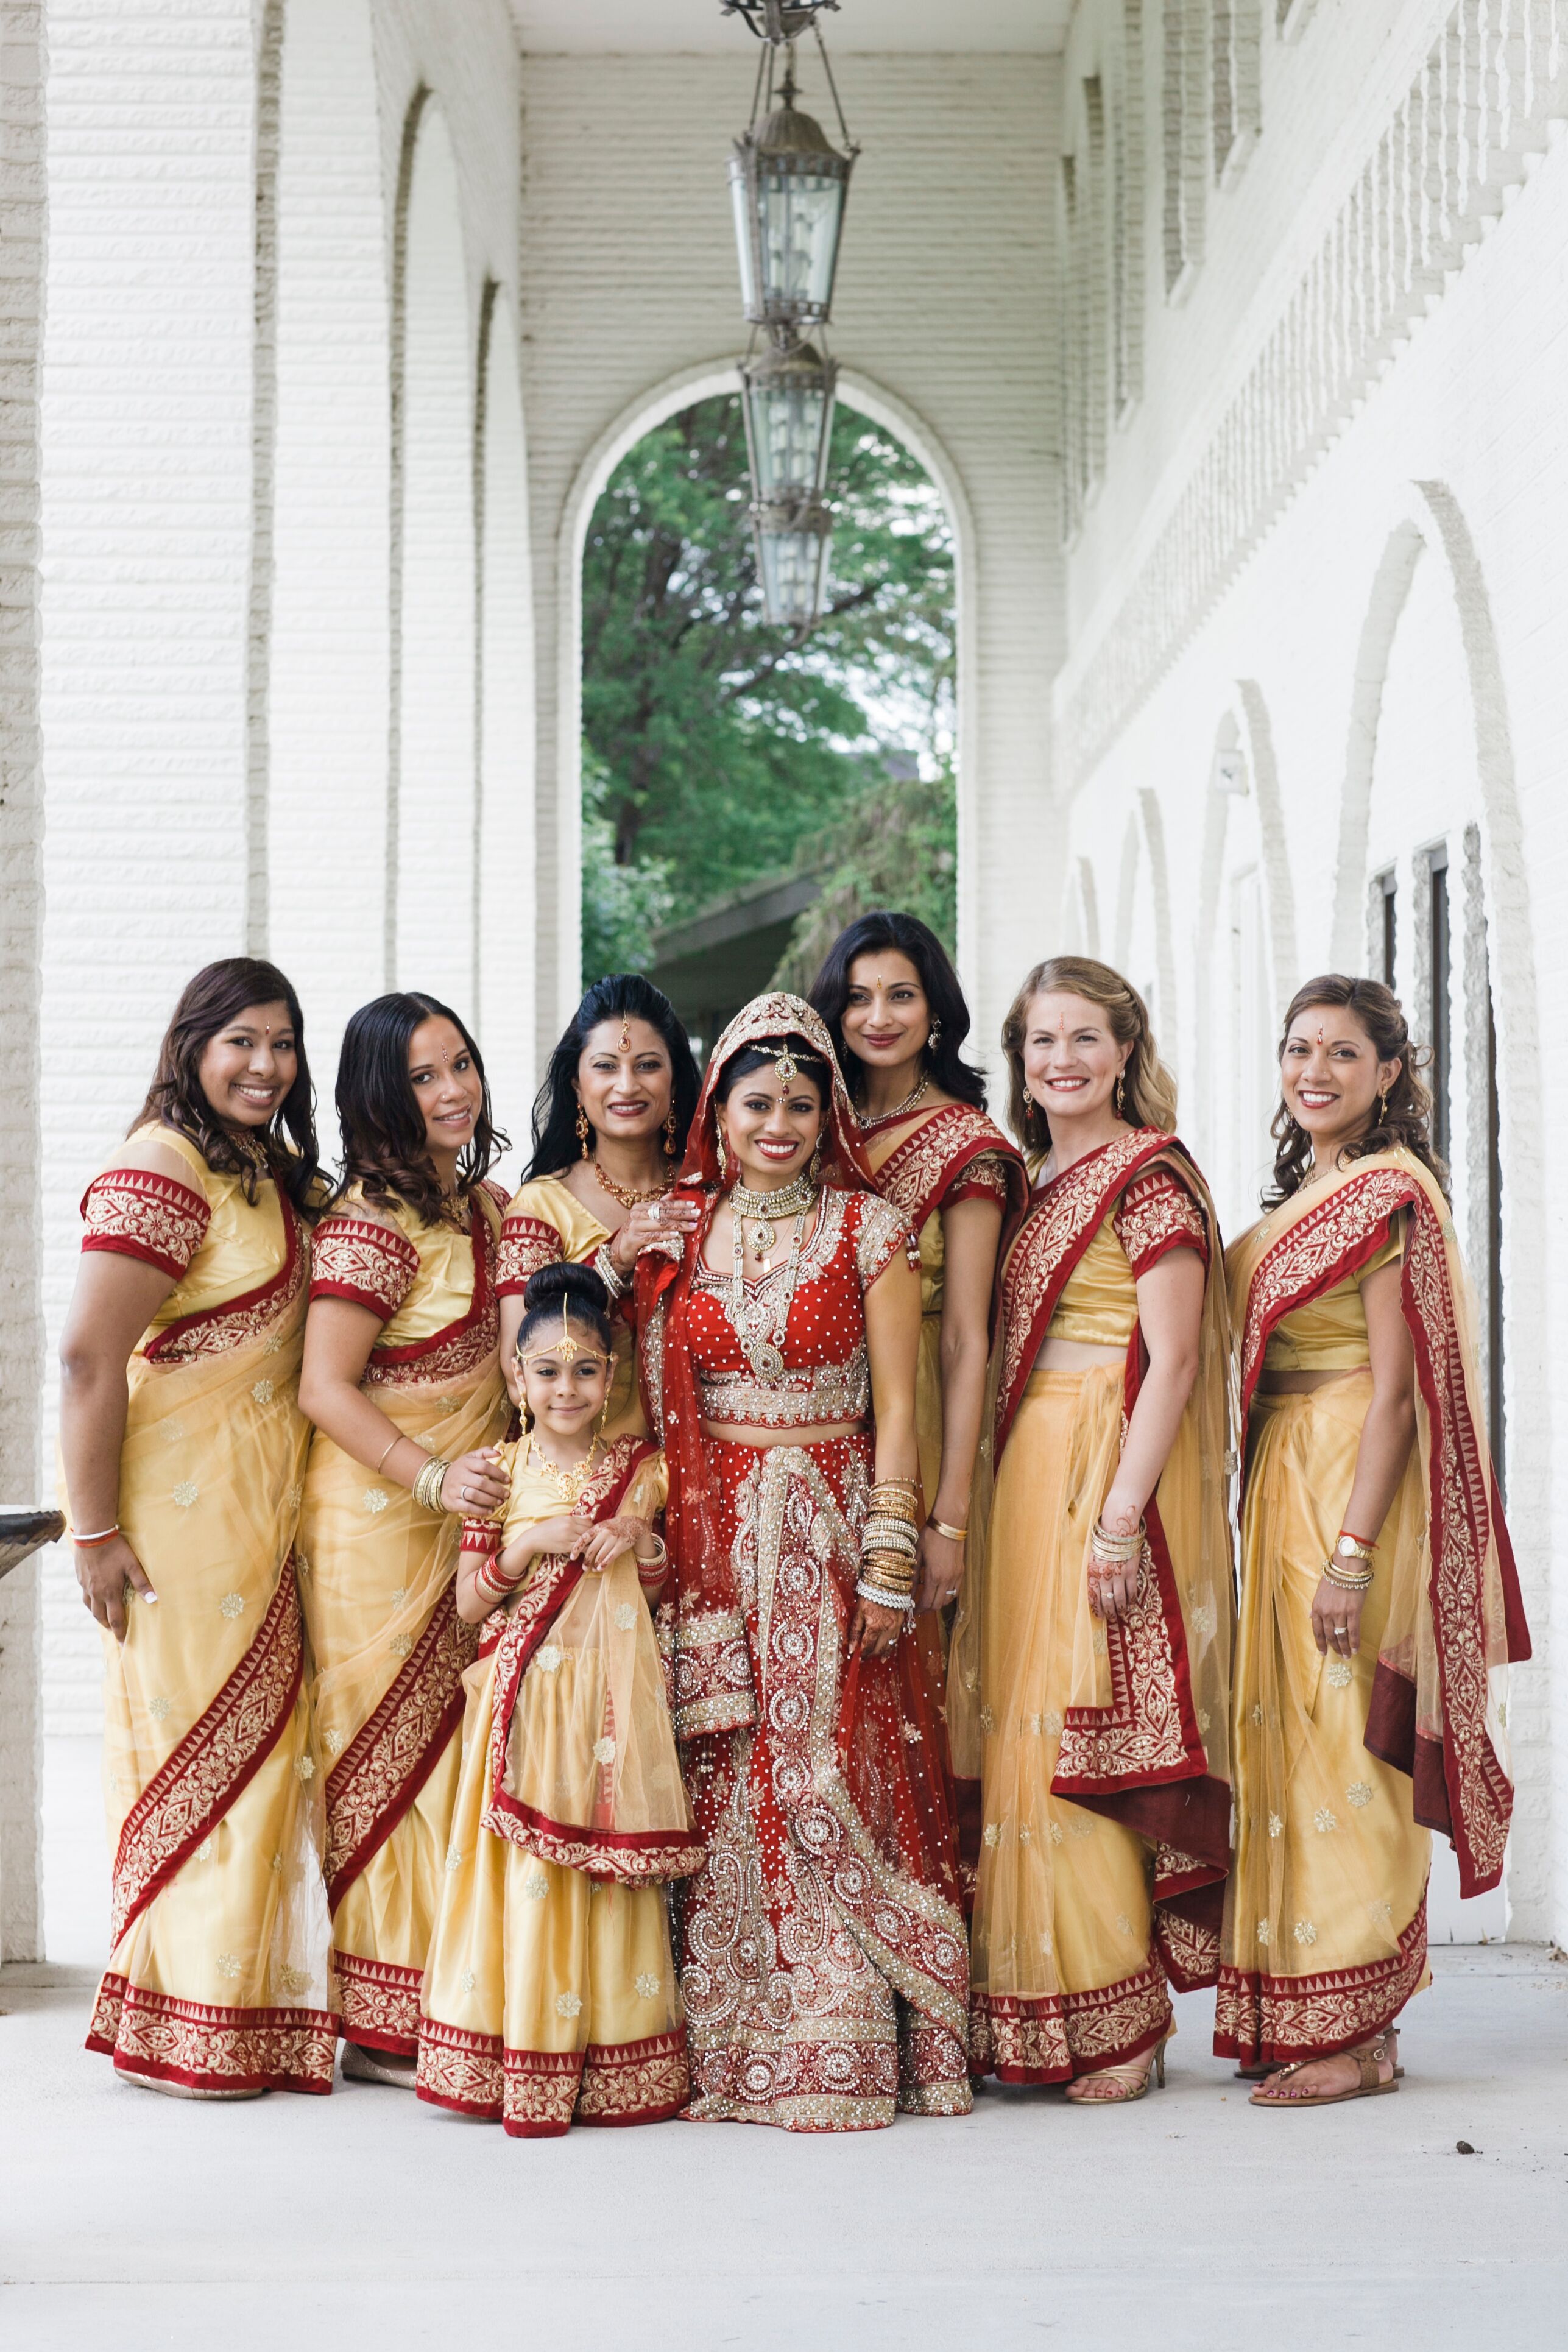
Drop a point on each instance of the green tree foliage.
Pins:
(717, 751)
(898, 847)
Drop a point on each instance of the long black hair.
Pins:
(875, 934)
(385, 1149)
(1406, 1116)
(217, 995)
(620, 996)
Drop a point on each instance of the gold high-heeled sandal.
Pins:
(1128, 2091)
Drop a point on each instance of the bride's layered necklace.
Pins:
(760, 1318)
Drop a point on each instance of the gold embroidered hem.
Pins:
(538, 2094)
(1271, 2020)
(210, 2049)
(1058, 2036)
(380, 2004)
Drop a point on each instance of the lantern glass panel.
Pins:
(801, 211)
(790, 424)
(740, 199)
(792, 564)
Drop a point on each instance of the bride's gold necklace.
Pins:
(570, 1484)
(766, 1211)
(874, 1119)
(627, 1194)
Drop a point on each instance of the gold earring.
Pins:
(934, 1037)
(670, 1137)
(583, 1131)
(817, 1161)
(1383, 1107)
(1120, 1091)
(723, 1156)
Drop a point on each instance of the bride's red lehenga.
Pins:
(823, 1962)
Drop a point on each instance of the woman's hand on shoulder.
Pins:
(476, 1485)
(653, 1224)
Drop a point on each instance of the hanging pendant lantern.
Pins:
(792, 537)
(787, 184)
(788, 399)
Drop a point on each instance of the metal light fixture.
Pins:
(788, 399)
(787, 184)
(792, 537)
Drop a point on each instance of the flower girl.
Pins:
(549, 1992)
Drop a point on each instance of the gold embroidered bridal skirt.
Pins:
(1325, 1931)
(1066, 1978)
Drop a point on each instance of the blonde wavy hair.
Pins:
(1149, 1089)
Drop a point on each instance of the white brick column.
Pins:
(21, 925)
(146, 502)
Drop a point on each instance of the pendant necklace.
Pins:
(917, 1094)
(765, 1211)
(627, 1194)
(760, 1323)
(570, 1484)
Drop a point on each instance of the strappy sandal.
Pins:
(1370, 2086)
(1129, 2090)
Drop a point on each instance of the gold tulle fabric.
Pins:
(223, 1980)
(1069, 1956)
(374, 1567)
(533, 1959)
(1325, 1925)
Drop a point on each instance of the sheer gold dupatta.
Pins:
(1455, 1621)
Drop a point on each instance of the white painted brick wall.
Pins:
(1472, 403)
(21, 858)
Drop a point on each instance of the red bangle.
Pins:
(88, 1543)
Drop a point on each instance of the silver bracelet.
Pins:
(608, 1272)
(904, 1604)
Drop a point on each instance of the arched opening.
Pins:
(327, 662)
(742, 796)
(433, 769)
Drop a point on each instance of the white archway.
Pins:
(704, 380)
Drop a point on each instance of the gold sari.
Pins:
(551, 1995)
(1101, 1749)
(1344, 1766)
(218, 1978)
(545, 1222)
(388, 1649)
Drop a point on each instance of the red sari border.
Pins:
(1055, 2037)
(538, 2094)
(920, 1172)
(216, 1759)
(1267, 2020)
(210, 2049)
(381, 1770)
(380, 2003)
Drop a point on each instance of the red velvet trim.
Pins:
(414, 1780)
(124, 1246)
(202, 2022)
(1392, 1736)
(482, 1238)
(173, 1776)
(536, 1230)
(1193, 1815)
(248, 1301)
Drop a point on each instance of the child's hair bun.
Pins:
(565, 1288)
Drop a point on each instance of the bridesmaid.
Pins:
(609, 1132)
(897, 1017)
(1379, 1603)
(1091, 1662)
(401, 1379)
(183, 1447)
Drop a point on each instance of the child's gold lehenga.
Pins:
(1101, 1751)
(550, 1994)
(1343, 1767)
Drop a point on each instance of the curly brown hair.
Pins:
(209, 1002)
(1405, 1116)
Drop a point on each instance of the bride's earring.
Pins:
(723, 1158)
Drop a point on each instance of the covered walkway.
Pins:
(365, 2221)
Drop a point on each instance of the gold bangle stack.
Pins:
(1351, 1579)
(1113, 1553)
(428, 1484)
(889, 1540)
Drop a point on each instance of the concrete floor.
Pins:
(1184, 2222)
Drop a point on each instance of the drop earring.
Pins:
(1120, 1091)
(1383, 1107)
(817, 1161)
(583, 1131)
(669, 1138)
(933, 1038)
(723, 1158)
